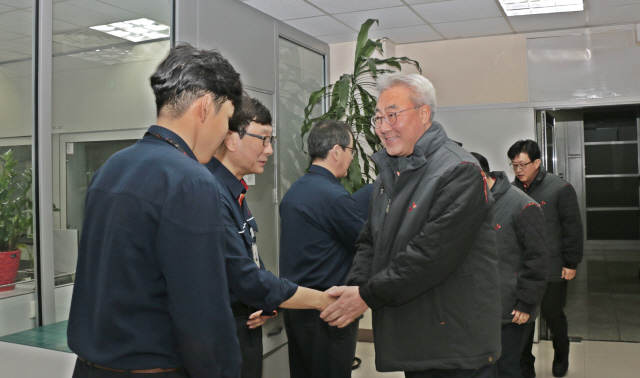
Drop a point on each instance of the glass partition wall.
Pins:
(102, 54)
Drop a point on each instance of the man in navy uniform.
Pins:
(559, 204)
(254, 292)
(320, 224)
(151, 292)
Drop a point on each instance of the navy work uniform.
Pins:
(320, 225)
(252, 288)
(151, 292)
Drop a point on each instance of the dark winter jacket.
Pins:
(559, 203)
(521, 238)
(427, 263)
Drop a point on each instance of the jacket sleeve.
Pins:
(457, 212)
(532, 276)
(363, 261)
(571, 223)
(255, 287)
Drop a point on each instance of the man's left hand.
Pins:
(568, 274)
(346, 309)
(255, 320)
(519, 317)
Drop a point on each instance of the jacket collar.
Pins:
(226, 178)
(428, 143)
(501, 185)
(536, 181)
(323, 172)
(168, 134)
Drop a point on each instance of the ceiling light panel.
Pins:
(527, 7)
(138, 30)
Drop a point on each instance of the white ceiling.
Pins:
(409, 21)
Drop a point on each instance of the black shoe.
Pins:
(356, 363)
(528, 371)
(560, 364)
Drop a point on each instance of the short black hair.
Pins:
(528, 147)
(484, 164)
(326, 134)
(251, 110)
(187, 74)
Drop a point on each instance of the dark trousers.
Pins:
(514, 337)
(316, 349)
(552, 310)
(83, 370)
(250, 347)
(483, 372)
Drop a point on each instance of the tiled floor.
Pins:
(588, 359)
(604, 299)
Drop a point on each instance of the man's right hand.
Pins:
(347, 308)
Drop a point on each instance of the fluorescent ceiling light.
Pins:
(138, 30)
(526, 7)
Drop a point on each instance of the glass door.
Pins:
(611, 175)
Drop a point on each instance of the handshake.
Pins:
(341, 305)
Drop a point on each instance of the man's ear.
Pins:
(204, 107)
(425, 114)
(231, 141)
(537, 163)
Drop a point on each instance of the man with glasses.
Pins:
(559, 204)
(427, 264)
(254, 292)
(320, 224)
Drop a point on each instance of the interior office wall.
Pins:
(487, 70)
(15, 87)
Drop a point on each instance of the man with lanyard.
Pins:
(559, 203)
(255, 293)
(151, 294)
(320, 224)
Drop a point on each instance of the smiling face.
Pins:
(400, 139)
(251, 156)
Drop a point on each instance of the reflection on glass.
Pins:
(301, 72)
(611, 159)
(610, 126)
(16, 124)
(613, 225)
(612, 192)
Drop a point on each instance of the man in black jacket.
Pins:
(522, 248)
(427, 263)
(559, 204)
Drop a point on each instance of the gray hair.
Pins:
(422, 91)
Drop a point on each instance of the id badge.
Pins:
(254, 248)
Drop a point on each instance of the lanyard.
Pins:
(168, 140)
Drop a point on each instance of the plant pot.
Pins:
(9, 263)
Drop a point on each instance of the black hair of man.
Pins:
(484, 164)
(324, 135)
(251, 110)
(187, 74)
(528, 147)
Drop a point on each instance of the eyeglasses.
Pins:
(353, 150)
(519, 166)
(390, 118)
(266, 140)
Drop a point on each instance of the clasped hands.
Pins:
(343, 306)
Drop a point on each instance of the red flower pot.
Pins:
(9, 263)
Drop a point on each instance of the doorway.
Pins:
(596, 149)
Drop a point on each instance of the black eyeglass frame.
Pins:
(385, 117)
(266, 140)
(353, 150)
(521, 166)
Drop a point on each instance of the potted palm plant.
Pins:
(16, 217)
(351, 101)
